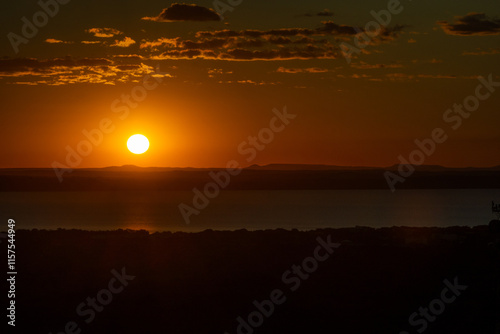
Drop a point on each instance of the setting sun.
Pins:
(138, 144)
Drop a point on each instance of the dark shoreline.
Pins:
(248, 179)
(202, 282)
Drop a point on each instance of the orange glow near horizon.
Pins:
(198, 90)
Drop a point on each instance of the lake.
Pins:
(252, 210)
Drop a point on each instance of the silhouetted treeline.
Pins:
(202, 282)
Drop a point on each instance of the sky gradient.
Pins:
(198, 83)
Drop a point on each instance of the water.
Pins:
(252, 210)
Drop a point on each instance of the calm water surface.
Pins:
(301, 209)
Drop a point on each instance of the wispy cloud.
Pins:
(124, 43)
(185, 12)
(56, 41)
(301, 70)
(155, 44)
(103, 32)
(63, 71)
(365, 66)
(418, 77)
(274, 44)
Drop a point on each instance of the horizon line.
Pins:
(267, 165)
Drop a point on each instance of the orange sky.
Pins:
(211, 84)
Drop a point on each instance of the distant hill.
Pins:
(308, 167)
(438, 168)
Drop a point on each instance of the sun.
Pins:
(138, 144)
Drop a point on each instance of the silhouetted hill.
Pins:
(305, 167)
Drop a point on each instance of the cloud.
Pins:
(124, 43)
(284, 32)
(209, 44)
(417, 77)
(301, 70)
(217, 72)
(437, 76)
(247, 43)
(273, 44)
(333, 28)
(56, 41)
(329, 28)
(103, 32)
(238, 54)
(63, 71)
(185, 12)
(472, 24)
(365, 66)
(154, 45)
(249, 82)
(35, 65)
(360, 76)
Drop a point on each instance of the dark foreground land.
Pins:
(202, 282)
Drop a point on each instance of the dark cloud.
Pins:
(280, 40)
(240, 54)
(182, 54)
(248, 43)
(274, 44)
(329, 28)
(333, 28)
(215, 43)
(285, 32)
(390, 33)
(185, 12)
(472, 24)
